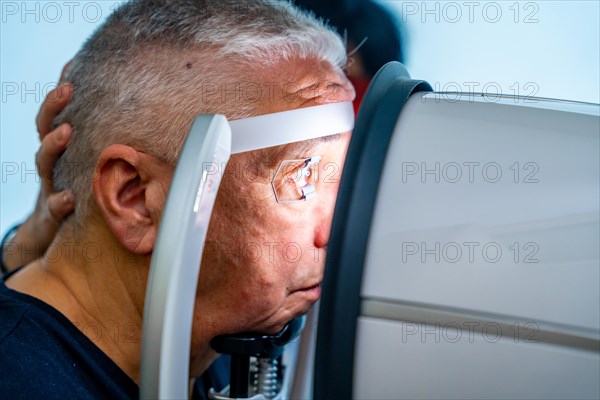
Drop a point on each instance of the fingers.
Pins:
(54, 206)
(53, 144)
(55, 102)
(60, 205)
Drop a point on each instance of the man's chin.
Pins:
(302, 301)
(305, 298)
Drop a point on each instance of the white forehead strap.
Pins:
(290, 126)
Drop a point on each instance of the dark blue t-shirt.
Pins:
(43, 355)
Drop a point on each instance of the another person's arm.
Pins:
(31, 239)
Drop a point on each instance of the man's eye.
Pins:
(303, 175)
(289, 180)
(295, 180)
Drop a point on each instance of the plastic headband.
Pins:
(290, 126)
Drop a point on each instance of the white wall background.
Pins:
(36, 39)
(546, 48)
(542, 48)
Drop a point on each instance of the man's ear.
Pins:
(130, 189)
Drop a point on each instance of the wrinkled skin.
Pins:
(263, 262)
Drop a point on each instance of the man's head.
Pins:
(156, 64)
(138, 84)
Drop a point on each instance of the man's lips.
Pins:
(312, 292)
(309, 287)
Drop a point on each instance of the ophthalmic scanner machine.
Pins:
(464, 257)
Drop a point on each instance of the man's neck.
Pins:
(99, 289)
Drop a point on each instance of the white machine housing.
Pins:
(465, 249)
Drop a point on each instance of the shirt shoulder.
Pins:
(43, 354)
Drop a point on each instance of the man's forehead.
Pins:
(308, 82)
(319, 83)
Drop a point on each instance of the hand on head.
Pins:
(34, 236)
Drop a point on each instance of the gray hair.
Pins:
(136, 77)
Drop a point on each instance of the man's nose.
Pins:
(322, 233)
(323, 217)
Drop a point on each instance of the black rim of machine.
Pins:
(340, 303)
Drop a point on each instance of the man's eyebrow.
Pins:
(309, 145)
(325, 139)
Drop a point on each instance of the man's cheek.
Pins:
(268, 284)
(267, 288)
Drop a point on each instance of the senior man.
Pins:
(138, 83)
